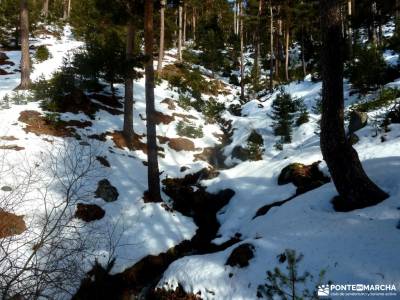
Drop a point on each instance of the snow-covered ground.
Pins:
(356, 247)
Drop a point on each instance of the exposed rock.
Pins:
(178, 294)
(3, 56)
(106, 191)
(256, 138)
(305, 178)
(213, 155)
(103, 160)
(184, 168)
(11, 224)
(241, 256)
(170, 103)
(3, 72)
(358, 120)
(181, 144)
(240, 153)
(11, 147)
(86, 144)
(8, 138)
(6, 188)
(89, 212)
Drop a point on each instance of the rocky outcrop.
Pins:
(304, 177)
(106, 191)
(241, 256)
(89, 212)
(358, 120)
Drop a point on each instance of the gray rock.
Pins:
(6, 189)
(106, 191)
(240, 153)
(358, 120)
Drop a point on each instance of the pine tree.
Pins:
(283, 114)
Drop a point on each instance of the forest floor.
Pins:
(361, 246)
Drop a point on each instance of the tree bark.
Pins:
(287, 39)
(162, 34)
(180, 32)
(152, 153)
(128, 105)
(355, 189)
(271, 45)
(25, 59)
(241, 51)
(184, 24)
(45, 9)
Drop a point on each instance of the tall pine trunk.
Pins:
(271, 45)
(355, 189)
(25, 59)
(153, 175)
(180, 31)
(162, 34)
(287, 40)
(128, 105)
(241, 50)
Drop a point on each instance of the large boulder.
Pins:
(304, 177)
(89, 212)
(241, 256)
(106, 191)
(358, 120)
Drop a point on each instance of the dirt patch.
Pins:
(89, 212)
(120, 141)
(11, 224)
(181, 144)
(38, 124)
(8, 138)
(111, 101)
(170, 103)
(213, 155)
(11, 147)
(161, 118)
(4, 72)
(185, 118)
(6, 63)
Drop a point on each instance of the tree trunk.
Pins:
(180, 32)
(194, 24)
(303, 58)
(45, 9)
(25, 59)
(287, 39)
(234, 17)
(162, 33)
(349, 27)
(355, 189)
(65, 9)
(153, 175)
(271, 36)
(241, 51)
(128, 105)
(184, 24)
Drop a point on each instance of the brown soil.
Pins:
(78, 124)
(8, 138)
(120, 141)
(181, 144)
(6, 63)
(4, 72)
(11, 224)
(89, 212)
(185, 118)
(11, 147)
(38, 124)
(170, 103)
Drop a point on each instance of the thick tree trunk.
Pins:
(241, 51)
(194, 25)
(234, 17)
(271, 36)
(303, 58)
(355, 189)
(25, 59)
(180, 32)
(152, 153)
(162, 33)
(184, 24)
(128, 105)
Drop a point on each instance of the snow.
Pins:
(356, 247)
